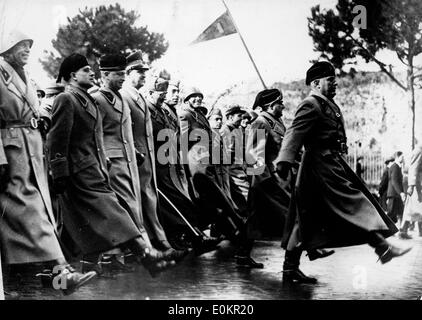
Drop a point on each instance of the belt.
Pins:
(340, 148)
(33, 123)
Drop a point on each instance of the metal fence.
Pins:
(372, 166)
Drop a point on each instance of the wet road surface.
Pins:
(351, 273)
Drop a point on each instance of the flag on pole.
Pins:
(221, 27)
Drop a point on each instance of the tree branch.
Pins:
(380, 64)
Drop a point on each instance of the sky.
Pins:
(275, 31)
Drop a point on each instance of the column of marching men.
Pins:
(125, 173)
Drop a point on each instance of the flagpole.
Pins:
(1, 283)
(244, 43)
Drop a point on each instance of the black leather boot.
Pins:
(291, 271)
(385, 254)
(203, 244)
(319, 254)
(247, 261)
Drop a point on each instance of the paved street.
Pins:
(351, 273)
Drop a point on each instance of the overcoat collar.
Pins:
(199, 117)
(14, 83)
(113, 99)
(333, 106)
(136, 96)
(85, 99)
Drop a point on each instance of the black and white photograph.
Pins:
(223, 151)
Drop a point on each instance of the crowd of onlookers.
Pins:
(403, 204)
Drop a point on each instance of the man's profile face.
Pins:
(158, 97)
(20, 52)
(137, 78)
(115, 80)
(172, 97)
(278, 108)
(327, 86)
(216, 122)
(235, 119)
(84, 77)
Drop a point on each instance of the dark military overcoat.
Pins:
(91, 211)
(331, 206)
(171, 177)
(269, 196)
(144, 145)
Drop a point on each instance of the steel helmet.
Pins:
(12, 38)
(191, 92)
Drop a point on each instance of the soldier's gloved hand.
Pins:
(4, 177)
(283, 169)
(60, 185)
(108, 161)
(140, 158)
(410, 190)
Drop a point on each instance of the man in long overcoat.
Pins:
(27, 228)
(233, 161)
(330, 207)
(144, 148)
(197, 150)
(118, 145)
(171, 177)
(93, 215)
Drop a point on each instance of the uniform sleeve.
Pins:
(59, 135)
(256, 137)
(304, 121)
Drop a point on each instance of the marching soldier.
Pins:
(197, 146)
(331, 207)
(268, 197)
(119, 145)
(171, 178)
(28, 228)
(145, 151)
(93, 215)
(221, 160)
(233, 138)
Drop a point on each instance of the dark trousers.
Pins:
(395, 208)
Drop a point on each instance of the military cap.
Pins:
(70, 64)
(11, 39)
(157, 84)
(320, 69)
(112, 62)
(193, 92)
(233, 109)
(175, 83)
(216, 112)
(135, 61)
(267, 97)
